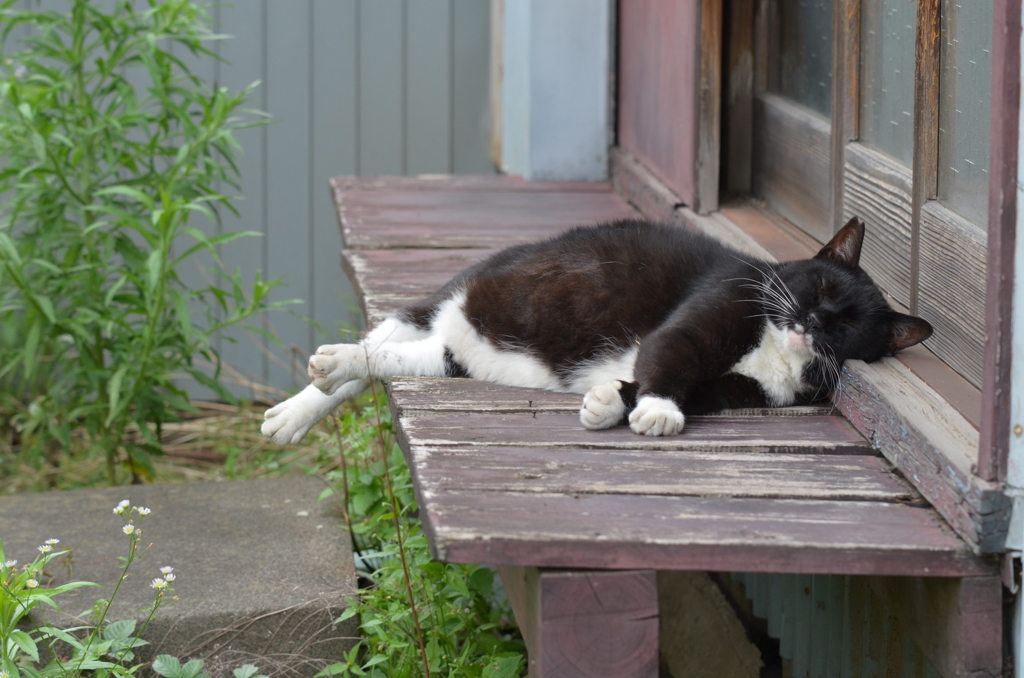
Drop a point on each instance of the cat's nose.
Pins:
(813, 321)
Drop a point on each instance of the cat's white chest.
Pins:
(777, 365)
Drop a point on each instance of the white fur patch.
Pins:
(602, 406)
(482, 359)
(289, 422)
(777, 363)
(656, 416)
(604, 370)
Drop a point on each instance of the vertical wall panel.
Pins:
(289, 226)
(469, 104)
(333, 143)
(381, 87)
(353, 87)
(243, 65)
(428, 86)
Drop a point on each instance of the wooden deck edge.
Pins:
(884, 402)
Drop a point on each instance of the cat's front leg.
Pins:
(656, 416)
(335, 364)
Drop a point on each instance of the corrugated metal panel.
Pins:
(833, 626)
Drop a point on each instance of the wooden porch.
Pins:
(579, 522)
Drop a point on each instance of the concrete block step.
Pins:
(262, 568)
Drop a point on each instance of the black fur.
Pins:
(693, 305)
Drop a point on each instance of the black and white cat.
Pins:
(651, 322)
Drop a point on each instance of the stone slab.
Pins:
(262, 568)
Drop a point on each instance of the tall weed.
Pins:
(98, 180)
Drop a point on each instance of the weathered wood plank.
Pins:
(709, 106)
(462, 182)
(416, 273)
(421, 395)
(658, 73)
(812, 434)
(695, 533)
(485, 218)
(931, 443)
(878, 190)
(737, 132)
(791, 162)
(586, 623)
(951, 288)
(660, 472)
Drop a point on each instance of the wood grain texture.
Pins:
(810, 435)
(419, 395)
(1002, 233)
(440, 469)
(738, 97)
(599, 624)
(931, 443)
(414, 273)
(957, 623)
(636, 184)
(586, 624)
(791, 162)
(927, 67)
(878, 190)
(461, 182)
(695, 533)
(482, 218)
(709, 107)
(658, 82)
(951, 288)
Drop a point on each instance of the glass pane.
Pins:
(887, 77)
(965, 90)
(805, 53)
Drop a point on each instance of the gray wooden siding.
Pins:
(362, 87)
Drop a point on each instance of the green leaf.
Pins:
(39, 145)
(119, 630)
(245, 671)
(25, 642)
(167, 665)
(154, 267)
(192, 668)
(114, 392)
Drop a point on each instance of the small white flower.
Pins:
(10, 563)
(128, 529)
(118, 510)
(123, 503)
(52, 541)
(4, 674)
(31, 583)
(169, 577)
(158, 584)
(167, 569)
(45, 548)
(144, 511)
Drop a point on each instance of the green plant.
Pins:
(99, 180)
(457, 612)
(100, 649)
(170, 667)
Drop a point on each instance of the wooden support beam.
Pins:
(957, 623)
(586, 624)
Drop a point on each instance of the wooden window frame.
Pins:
(957, 461)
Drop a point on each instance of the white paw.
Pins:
(602, 406)
(287, 423)
(334, 364)
(655, 416)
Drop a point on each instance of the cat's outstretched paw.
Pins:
(288, 422)
(655, 416)
(602, 406)
(334, 364)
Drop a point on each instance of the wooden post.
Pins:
(586, 624)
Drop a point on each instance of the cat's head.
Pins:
(830, 304)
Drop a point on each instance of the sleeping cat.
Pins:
(651, 322)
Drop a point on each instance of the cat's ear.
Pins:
(844, 247)
(906, 331)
